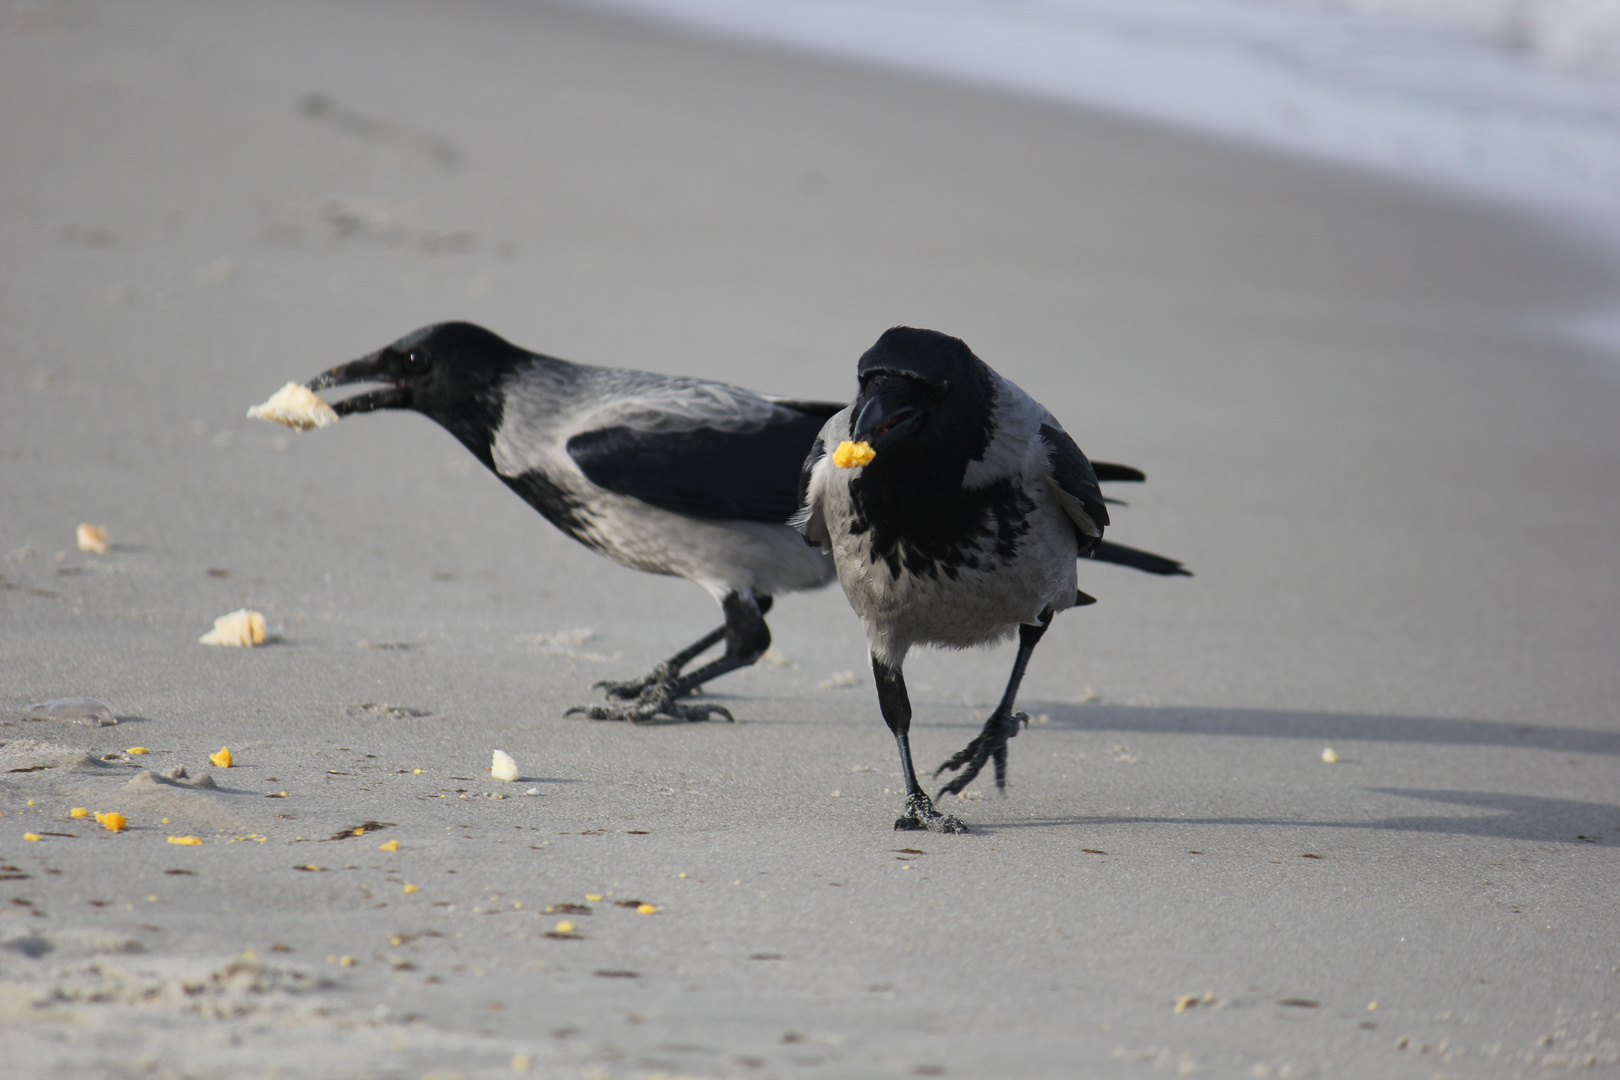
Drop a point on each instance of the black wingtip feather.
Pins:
(1110, 552)
(1110, 471)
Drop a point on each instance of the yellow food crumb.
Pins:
(78, 811)
(223, 759)
(682, 874)
(137, 750)
(165, 821)
(593, 897)
(409, 887)
(1185, 1002)
(93, 538)
(346, 961)
(1372, 1006)
(189, 841)
(152, 899)
(520, 1062)
(564, 927)
(240, 628)
(418, 772)
(1330, 756)
(850, 454)
(113, 822)
(648, 909)
(30, 836)
(392, 845)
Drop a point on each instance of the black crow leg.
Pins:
(669, 671)
(631, 689)
(991, 742)
(896, 706)
(747, 637)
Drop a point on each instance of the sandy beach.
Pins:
(1397, 488)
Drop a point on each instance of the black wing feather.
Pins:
(1108, 551)
(1074, 475)
(1109, 471)
(706, 472)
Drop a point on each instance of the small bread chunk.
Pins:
(850, 454)
(503, 767)
(239, 628)
(1331, 756)
(223, 759)
(92, 538)
(297, 406)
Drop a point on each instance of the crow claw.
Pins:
(920, 814)
(653, 702)
(989, 745)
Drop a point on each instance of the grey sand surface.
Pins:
(1398, 492)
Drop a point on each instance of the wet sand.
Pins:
(1395, 484)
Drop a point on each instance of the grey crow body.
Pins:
(664, 474)
(963, 528)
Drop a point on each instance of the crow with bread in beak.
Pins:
(659, 473)
(954, 506)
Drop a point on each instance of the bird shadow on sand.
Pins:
(1506, 815)
(1513, 817)
(1342, 728)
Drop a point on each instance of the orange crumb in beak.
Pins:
(850, 454)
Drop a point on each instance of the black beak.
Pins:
(366, 369)
(889, 413)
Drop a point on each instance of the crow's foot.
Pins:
(652, 703)
(989, 745)
(631, 689)
(920, 814)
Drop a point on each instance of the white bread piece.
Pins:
(297, 406)
(93, 538)
(503, 767)
(240, 628)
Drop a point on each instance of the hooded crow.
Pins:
(664, 474)
(955, 507)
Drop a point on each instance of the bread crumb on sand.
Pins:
(93, 538)
(242, 628)
(296, 406)
(503, 767)
(1331, 756)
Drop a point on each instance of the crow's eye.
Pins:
(415, 361)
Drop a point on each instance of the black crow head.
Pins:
(925, 393)
(445, 370)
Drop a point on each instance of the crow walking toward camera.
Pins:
(954, 507)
